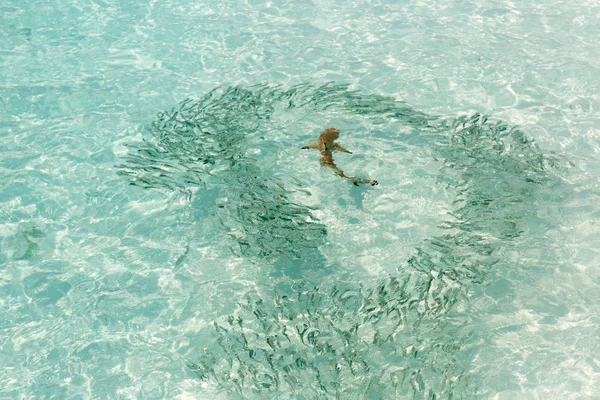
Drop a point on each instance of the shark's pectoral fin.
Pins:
(312, 146)
(340, 148)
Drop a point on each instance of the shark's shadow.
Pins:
(382, 341)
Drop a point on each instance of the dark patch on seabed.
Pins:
(399, 338)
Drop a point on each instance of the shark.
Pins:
(326, 144)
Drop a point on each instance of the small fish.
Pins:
(326, 145)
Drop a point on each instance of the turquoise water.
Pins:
(162, 235)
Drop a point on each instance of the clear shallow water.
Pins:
(235, 266)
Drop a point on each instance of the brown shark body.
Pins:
(326, 145)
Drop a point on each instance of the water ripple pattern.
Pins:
(200, 253)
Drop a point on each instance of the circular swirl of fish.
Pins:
(394, 339)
